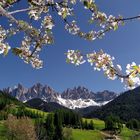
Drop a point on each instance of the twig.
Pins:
(22, 10)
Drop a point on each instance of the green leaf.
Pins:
(9, 1)
(64, 15)
(67, 60)
(115, 27)
(135, 67)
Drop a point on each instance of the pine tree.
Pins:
(50, 127)
(91, 125)
(58, 126)
(41, 132)
(85, 125)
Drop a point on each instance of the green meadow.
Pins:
(98, 124)
(87, 134)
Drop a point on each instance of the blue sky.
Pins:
(123, 44)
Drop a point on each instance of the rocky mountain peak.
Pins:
(78, 93)
(105, 95)
(20, 86)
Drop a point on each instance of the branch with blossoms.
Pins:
(36, 38)
(102, 61)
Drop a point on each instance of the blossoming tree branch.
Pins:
(36, 38)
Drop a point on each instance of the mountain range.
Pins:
(78, 97)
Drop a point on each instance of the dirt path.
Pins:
(110, 136)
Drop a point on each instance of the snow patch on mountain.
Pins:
(79, 103)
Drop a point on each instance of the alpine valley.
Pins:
(76, 98)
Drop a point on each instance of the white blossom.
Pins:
(75, 57)
(4, 48)
(133, 72)
(47, 22)
(72, 28)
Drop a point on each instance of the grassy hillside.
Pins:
(86, 134)
(40, 111)
(10, 105)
